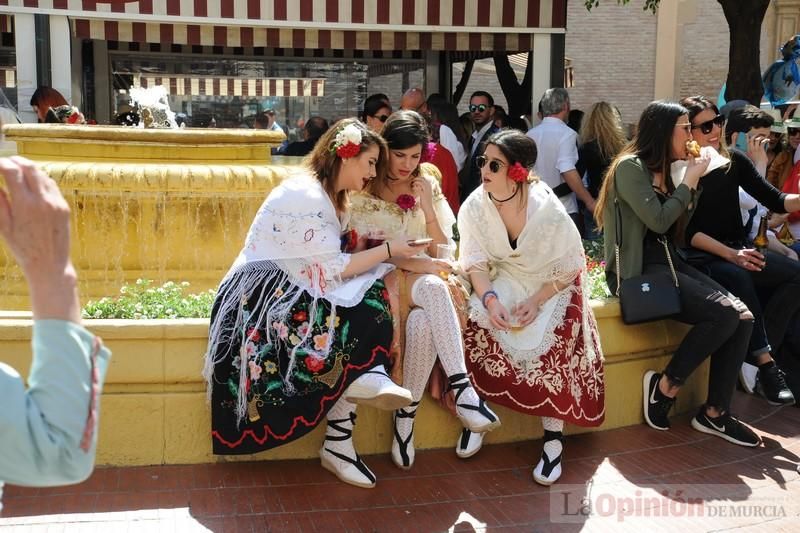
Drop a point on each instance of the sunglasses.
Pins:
(708, 125)
(687, 126)
(494, 164)
(382, 118)
(480, 107)
(792, 131)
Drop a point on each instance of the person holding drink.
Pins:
(428, 298)
(532, 341)
(720, 248)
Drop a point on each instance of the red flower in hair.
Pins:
(517, 172)
(406, 202)
(347, 142)
(348, 150)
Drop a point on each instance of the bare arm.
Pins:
(573, 179)
(748, 259)
(360, 262)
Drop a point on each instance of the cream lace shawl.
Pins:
(548, 249)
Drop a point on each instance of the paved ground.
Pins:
(631, 479)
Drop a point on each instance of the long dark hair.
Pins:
(326, 164)
(402, 130)
(652, 144)
(446, 114)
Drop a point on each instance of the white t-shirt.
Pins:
(449, 140)
(557, 148)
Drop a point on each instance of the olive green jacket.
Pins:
(640, 210)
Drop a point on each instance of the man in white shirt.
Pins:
(557, 146)
(481, 109)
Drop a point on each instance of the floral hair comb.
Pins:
(347, 142)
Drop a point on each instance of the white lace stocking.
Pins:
(341, 410)
(431, 295)
(420, 354)
(552, 448)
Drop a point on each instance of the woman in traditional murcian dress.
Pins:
(301, 330)
(531, 341)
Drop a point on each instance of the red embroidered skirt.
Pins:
(561, 383)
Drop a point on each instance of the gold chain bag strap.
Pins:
(646, 297)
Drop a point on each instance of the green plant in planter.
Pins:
(143, 301)
(596, 269)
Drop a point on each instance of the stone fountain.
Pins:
(161, 204)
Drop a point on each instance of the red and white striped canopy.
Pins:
(337, 24)
(178, 85)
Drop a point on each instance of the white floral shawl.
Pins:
(548, 249)
(294, 242)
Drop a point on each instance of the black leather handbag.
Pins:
(646, 297)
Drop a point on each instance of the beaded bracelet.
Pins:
(486, 296)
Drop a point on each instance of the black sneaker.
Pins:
(726, 427)
(655, 404)
(772, 386)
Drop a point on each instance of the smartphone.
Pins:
(741, 141)
(420, 242)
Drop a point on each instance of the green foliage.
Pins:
(596, 269)
(142, 301)
(651, 5)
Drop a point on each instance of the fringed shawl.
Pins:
(548, 249)
(293, 246)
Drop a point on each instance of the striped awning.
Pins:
(202, 35)
(338, 24)
(224, 86)
(6, 23)
(8, 76)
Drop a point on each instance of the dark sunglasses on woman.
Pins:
(494, 164)
(382, 118)
(708, 125)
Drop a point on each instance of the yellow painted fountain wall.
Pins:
(176, 205)
(157, 204)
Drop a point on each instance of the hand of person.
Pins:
(437, 267)
(748, 258)
(757, 149)
(776, 219)
(696, 167)
(526, 311)
(422, 189)
(498, 314)
(402, 250)
(34, 222)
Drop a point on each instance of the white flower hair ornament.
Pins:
(347, 142)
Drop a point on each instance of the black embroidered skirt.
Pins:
(362, 336)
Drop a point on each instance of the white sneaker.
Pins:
(375, 388)
(748, 376)
(469, 443)
(339, 456)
